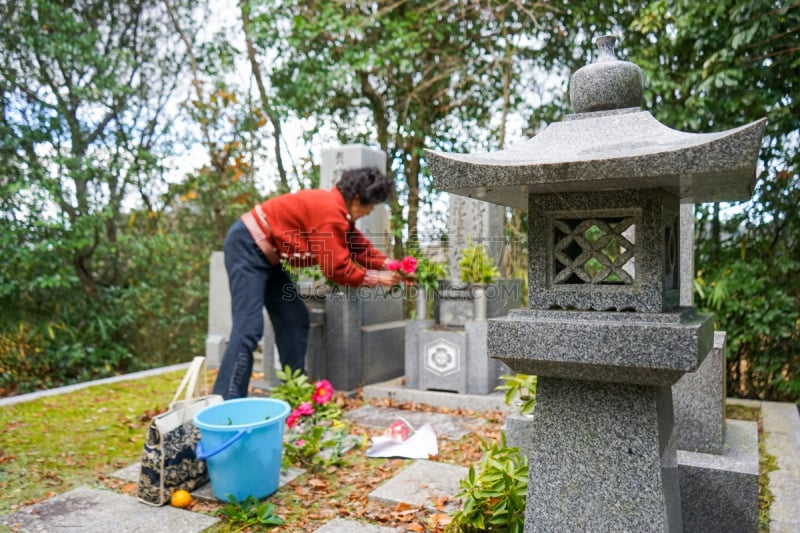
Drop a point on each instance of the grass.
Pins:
(54, 444)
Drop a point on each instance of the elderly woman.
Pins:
(310, 227)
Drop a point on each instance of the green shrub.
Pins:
(494, 493)
(476, 265)
(519, 388)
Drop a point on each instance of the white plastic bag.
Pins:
(402, 440)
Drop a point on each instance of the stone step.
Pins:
(339, 525)
(423, 484)
(452, 427)
(91, 510)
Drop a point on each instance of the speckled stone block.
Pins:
(603, 459)
(610, 250)
(412, 355)
(451, 360)
(699, 400)
(647, 348)
(356, 350)
(454, 302)
(719, 492)
(520, 431)
(335, 160)
(421, 484)
(686, 255)
(91, 510)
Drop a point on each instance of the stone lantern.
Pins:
(604, 330)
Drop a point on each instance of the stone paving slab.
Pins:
(395, 389)
(782, 439)
(99, 511)
(205, 492)
(421, 484)
(448, 426)
(131, 473)
(339, 525)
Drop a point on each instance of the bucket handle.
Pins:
(202, 456)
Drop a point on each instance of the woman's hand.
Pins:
(383, 278)
(389, 278)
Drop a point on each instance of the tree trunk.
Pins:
(412, 177)
(266, 105)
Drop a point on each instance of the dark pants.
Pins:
(254, 285)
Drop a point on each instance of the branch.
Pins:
(265, 100)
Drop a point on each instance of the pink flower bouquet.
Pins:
(405, 267)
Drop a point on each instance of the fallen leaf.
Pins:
(402, 506)
(441, 520)
(318, 483)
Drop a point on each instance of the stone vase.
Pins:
(421, 302)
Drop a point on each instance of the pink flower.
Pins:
(292, 419)
(299, 442)
(305, 409)
(323, 392)
(408, 264)
(394, 264)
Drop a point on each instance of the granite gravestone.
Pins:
(335, 160)
(448, 353)
(717, 458)
(603, 189)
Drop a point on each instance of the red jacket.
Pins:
(313, 227)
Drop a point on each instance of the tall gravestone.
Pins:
(605, 332)
(335, 160)
(717, 458)
(219, 325)
(473, 222)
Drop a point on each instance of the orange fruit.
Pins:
(181, 498)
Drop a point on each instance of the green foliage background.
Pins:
(105, 247)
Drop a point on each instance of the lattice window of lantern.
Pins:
(594, 251)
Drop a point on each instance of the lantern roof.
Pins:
(603, 147)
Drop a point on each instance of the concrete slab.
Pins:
(448, 426)
(421, 484)
(99, 511)
(206, 494)
(781, 425)
(719, 492)
(131, 473)
(395, 390)
(339, 525)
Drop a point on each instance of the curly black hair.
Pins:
(368, 183)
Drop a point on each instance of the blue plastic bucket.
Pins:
(242, 442)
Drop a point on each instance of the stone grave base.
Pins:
(719, 493)
(450, 359)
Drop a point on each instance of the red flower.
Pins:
(292, 419)
(305, 409)
(323, 392)
(408, 264)
(394, 264)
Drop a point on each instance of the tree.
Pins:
(84, 90)
(407, 74)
